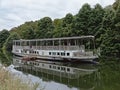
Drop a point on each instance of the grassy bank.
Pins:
(9, 82)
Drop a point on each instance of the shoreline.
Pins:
(9, 81)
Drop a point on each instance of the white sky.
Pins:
(16, 12)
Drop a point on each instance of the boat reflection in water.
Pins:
(74, 76)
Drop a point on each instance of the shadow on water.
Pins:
(69, 76)
(77, 75)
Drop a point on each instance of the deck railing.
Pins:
(51, 47)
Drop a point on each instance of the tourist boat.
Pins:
(72, 49)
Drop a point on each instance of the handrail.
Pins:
(50, 47)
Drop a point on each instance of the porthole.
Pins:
(49, 53)
(49, 66)
(58, 53)
(68, 69)
(58, 68)
(68, 54)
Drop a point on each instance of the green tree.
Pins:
(57, 32)
(45, 28)
(7, 47)
(95, 19)
(82, 20)
(4, 34)
(26, 30)
(116, 4)
(28, 34)
(110, 39)
(67, 25)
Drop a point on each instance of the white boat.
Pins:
(80, 48)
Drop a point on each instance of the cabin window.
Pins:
(54, 53)
(30, 63)
(49, 66)
(49, 53)
(33, 63)
(68, 69)
(54, 67)
(37, 52)
(68, 54)
(62, 68)
(58, 53)
(62, 54)
(58, 68)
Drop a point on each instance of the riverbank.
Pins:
(10, 82)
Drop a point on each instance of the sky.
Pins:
(16, 12)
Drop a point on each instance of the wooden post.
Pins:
(59, 44)
(53, 45)
(36, 44)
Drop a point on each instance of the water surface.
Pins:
(74, 76)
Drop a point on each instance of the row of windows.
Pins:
(33, 63)
(50, 53)
(59, 68)
(33, 52)
(58, 53)
(50, 66)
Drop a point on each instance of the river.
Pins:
(70, 76)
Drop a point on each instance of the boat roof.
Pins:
(62, 38)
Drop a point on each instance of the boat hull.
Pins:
(60, 59)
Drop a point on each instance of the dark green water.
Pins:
(83, 77)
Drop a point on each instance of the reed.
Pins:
(9, 82)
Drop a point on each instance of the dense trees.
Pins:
(7, 46)
(67, 25)
(45, 28)
(103, 23)
(4, 34)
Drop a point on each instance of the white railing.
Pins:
(50, 47)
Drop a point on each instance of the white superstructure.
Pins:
(62, 49)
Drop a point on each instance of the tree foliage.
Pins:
(7, 47)
(4, 34)
(45, 28)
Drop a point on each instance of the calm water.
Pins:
(72, 76)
